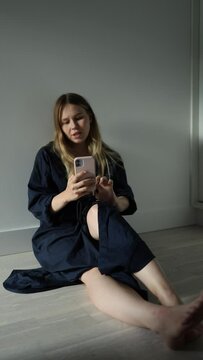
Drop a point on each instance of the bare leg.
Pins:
(151, 275)
(174, 324)
(92, 222)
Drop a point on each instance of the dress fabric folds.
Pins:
(63, 245)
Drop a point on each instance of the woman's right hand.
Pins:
(79, 185)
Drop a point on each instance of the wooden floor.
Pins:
(63, 325)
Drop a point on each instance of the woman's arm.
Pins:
(122, 188)
(121, 202)
(44, 199)
(105, 192)
(41, 188)
(116, 190)
(59, 202)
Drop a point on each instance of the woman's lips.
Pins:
(76, 134)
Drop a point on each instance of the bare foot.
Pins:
(181, 324)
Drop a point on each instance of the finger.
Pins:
(110, 182)
(103, 180)
(80, 175)
(84, 183)
(89, 181)
(79, 194)
(84, 190)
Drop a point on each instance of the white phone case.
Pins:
(86, 163)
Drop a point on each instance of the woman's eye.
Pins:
(65, 121)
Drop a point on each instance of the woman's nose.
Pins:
(73, 124)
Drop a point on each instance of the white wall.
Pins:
(131, 60)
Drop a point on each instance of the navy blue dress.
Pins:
(63, 245)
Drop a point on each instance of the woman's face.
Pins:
(75, 123)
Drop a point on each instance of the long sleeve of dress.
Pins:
(41, 189)
(121, 187)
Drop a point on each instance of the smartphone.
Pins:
(86, 163)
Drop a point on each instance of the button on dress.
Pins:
(63, 245)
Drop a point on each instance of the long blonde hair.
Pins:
(96, 147)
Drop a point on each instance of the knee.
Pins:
(90, 275)
(92, 222)
(92, 213)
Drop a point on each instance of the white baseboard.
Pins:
(16, 241)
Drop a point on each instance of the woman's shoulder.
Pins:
(47, 148)
(112, 154)
(47, 159)
(47, 152)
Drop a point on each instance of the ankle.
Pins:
(169, 298)
(161, 313)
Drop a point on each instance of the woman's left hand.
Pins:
(104, 190)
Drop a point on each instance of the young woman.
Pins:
(83, 236)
